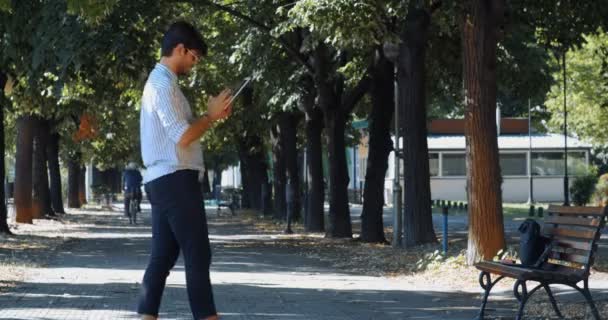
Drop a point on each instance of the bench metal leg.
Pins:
(552, 299)
(587, 294)
(486, 284)
(521, 297)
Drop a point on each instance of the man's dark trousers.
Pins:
(178, 223)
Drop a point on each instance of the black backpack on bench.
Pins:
(532, 243)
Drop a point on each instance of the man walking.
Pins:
(173, 158)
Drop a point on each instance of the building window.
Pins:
(552, 163)
(434, 164)
(454, 164)
(577, 163)
(548, 163)
(513, 164)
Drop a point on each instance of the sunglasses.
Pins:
(196, 57)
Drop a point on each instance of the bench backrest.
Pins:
(575, 232)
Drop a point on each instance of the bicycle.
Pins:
(133, 207)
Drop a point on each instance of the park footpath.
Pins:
(95, 274)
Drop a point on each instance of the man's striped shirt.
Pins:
(165, 116)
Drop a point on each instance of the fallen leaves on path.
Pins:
(421, 266)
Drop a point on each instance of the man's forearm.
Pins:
(195, 130)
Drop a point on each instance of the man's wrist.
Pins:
(208, 116)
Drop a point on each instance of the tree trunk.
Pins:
(335, 123)
(245, 179)
(254, 166)
(3, 210)
(73, 182)
(290, 132)
(82, 195)
(279, 173)
(254, 171)
(37, 169)
(315, 221)
(52, 152)
(339, 212)
(380, 146)
(259, 175)
(41, 198)
(23, 169)
(205, 183)
(217, 179)
(418, 219)
(481, 25)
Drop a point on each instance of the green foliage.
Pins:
(342, 24)
(65, 66)
(561, 24)
(583, 187)
(523, 72)
(601, 190)
(587, 93)
(92, 56)
(5, 5)
(92, 10)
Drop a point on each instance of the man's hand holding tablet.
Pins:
(220, 106)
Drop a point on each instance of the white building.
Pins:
(539, 156)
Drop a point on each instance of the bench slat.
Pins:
(560, 272)
(574, 221)
(581, 245)
(502, 269)
(582, 234)
(577, 211)
(578, 261)
(566, 255)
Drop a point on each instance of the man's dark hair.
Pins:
(184, 33)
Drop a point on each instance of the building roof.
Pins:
(513, 142)
(456, 126)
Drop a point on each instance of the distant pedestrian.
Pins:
(131, 179)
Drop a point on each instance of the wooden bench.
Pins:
(574, 233)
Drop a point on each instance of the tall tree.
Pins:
(481, 28)
(73, 180)
(380, 146)
(337, 98)
(52, 153)
(23, 169)
(82, 187)
(418, 221)
(291, 164)
(279, 175)
(315, 215)
(336, 105)
(3, 210)
(41, 200)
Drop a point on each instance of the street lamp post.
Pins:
(391, 52)
(566, 195)
(531, 185)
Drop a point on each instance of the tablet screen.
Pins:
(238, 91)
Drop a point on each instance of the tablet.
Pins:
(240, 89)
